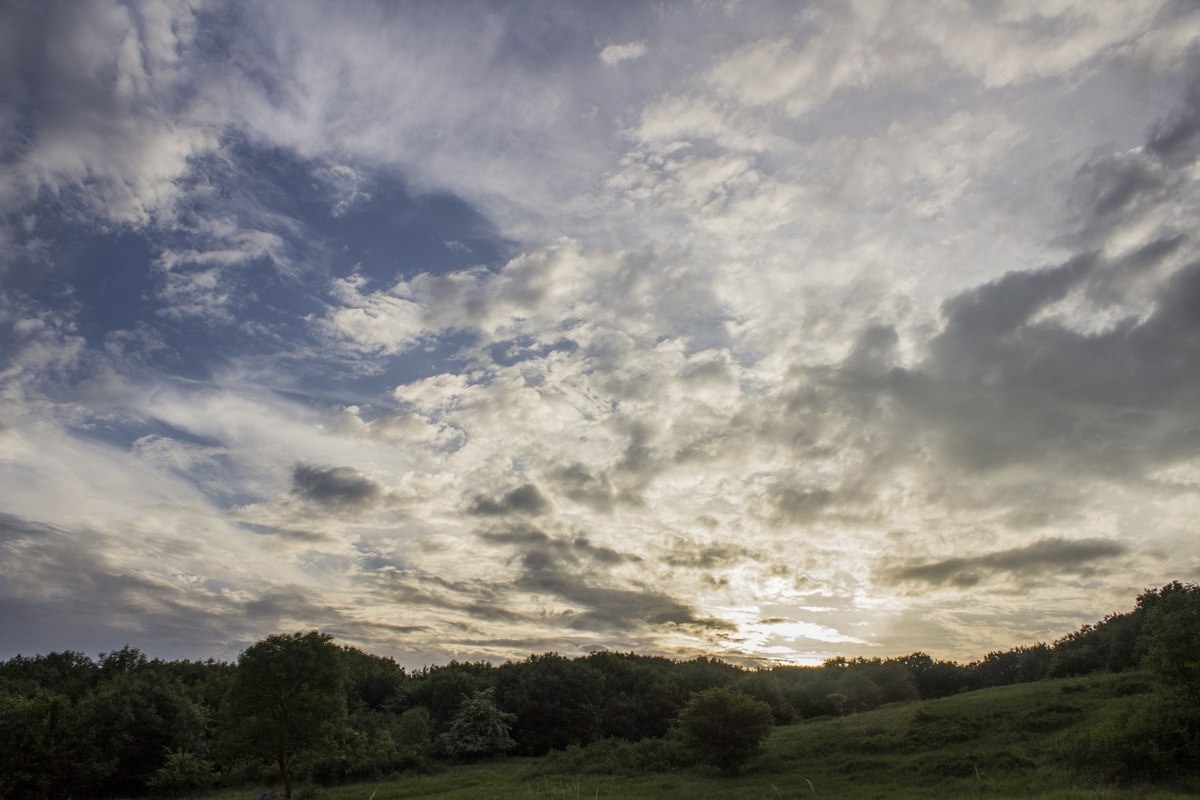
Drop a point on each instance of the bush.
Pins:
(724, 727)
(479, 729)
(181, 773)
(1149, 738)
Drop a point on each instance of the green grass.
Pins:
(1007, 742)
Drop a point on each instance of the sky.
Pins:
(765, 331)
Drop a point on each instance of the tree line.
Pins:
(301, 707)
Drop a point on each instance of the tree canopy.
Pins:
(287, 696)
(725, 727)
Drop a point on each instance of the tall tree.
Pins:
(287, 696)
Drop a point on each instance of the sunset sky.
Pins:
(769, 331)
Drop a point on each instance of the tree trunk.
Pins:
(287, 777)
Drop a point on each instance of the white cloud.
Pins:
(614, 54)
(112, 128)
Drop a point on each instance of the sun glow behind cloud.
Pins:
(726, 329)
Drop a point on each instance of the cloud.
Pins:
(338, 487)
(525, 499)
(105, 99)
(555, 356)
(603, 608)
(1040, 561)
(614, 54)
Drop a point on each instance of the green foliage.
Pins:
(182, 772)
(372, 682)
(441, 689)
(68, 673)
(640, 695)
(556, 701)
(479, 729)
(1172, 637)
(287, 698)
(1146, 737)
(128, 723)
(724, 727)
(35, 726)
(620, 757)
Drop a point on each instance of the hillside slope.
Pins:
(1011, 741)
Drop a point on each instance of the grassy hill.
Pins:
(1012, 741)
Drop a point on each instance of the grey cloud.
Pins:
(1116, 402)
(517, 536)
(1043, 558)
(604, 608)
(578, 483)
(605, 555)
(524, 499)
(537, 544)
(76, 592)
(712, 371)
(873, 353)
(798, 506)
(638, 457)
(336, 487)
(1176, 139)
(482, 600)
(685, 554)
(978, 321)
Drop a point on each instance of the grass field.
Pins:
(1009, 741)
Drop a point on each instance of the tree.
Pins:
(1172, 637)
(557, 701)
(287, 696)
(131, 720)
(724, 727)
(479, 728)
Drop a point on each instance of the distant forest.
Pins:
(301, 707)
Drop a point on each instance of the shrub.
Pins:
(181, 773)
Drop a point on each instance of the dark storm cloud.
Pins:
(337, 487)
(524, 499)
(1042, 559)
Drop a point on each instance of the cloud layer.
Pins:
(752, 331)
